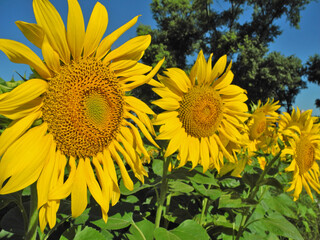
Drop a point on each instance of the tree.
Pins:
(242, 29)
(313, 72)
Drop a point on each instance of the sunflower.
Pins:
(263, 130)
(76, 113)
(296, 121)
(203, 112)
(304, 147)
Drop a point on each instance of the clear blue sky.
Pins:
(302, 42)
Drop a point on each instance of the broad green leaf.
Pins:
(272, 182)
(157, 166)
(142, 230)
(282, 204)
(178, 186)
(227, 201)
(115, 222)
(280, 226)
(83, 217)
(213, 194)
(89, 233)
(230, 182)
(190, 230)
(164, 234)
(250, 179)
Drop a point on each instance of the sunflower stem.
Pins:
(253, 192)
(204, 207)
(33, 217)
(163, 192)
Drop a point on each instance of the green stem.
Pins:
(31, 233)
(204, 207)
(163, 192)
(253, 192)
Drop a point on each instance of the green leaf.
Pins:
(164, 234)
(115, 222)
(89, 233)
(142, 230)
(272, 182)
(83, 217)
(213, 194)
(250, 179)
(157, 166)
(227, 201)
(280, 226)
(178, 186)
(190, 230)
(12, 221)
(230, 182)
(282, 204)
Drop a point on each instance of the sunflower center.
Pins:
(83, 108)
(305, 155)
(259, 126)
(201, 111)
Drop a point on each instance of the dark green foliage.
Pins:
(241, 29)
(313, 72)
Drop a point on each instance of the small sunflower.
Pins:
(203, 112)
(76, 112)
(304, 147)
(262, 130)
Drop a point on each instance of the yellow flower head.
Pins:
(262, 118)
(304, 147)
(86, 118)
(204, 112)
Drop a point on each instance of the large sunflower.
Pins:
(204, 112)
(304, 147)
(76, 112)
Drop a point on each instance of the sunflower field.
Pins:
(82, 157)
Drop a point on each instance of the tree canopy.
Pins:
(242, 29)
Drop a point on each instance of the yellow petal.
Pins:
(231, 90)
(20, 53)
(22, 94)
(32, 32)
(125, 176)
(79, 191)
(204, 154)
(63, 190)
(51, 213)
(183, 152)
(218, 68)
(15, 130)
(43, 183)
(169, 104)
(134, 45)
(169, 83)
(94, 186)
(137, 69)
(201, 69)
(50, 56)
(50, 21)
(96, 28)
(142, 128)
(180, 78)
(225, 80)
(174, 143)
(107, 42)
(75, 29)
(165, 92)
(42, 218)
(194, 150)
(122, 64)
(23, 110)
(163, 117)
(138, 104)
(106, 184)
(24, 160)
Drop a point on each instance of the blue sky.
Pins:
(302, 42)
